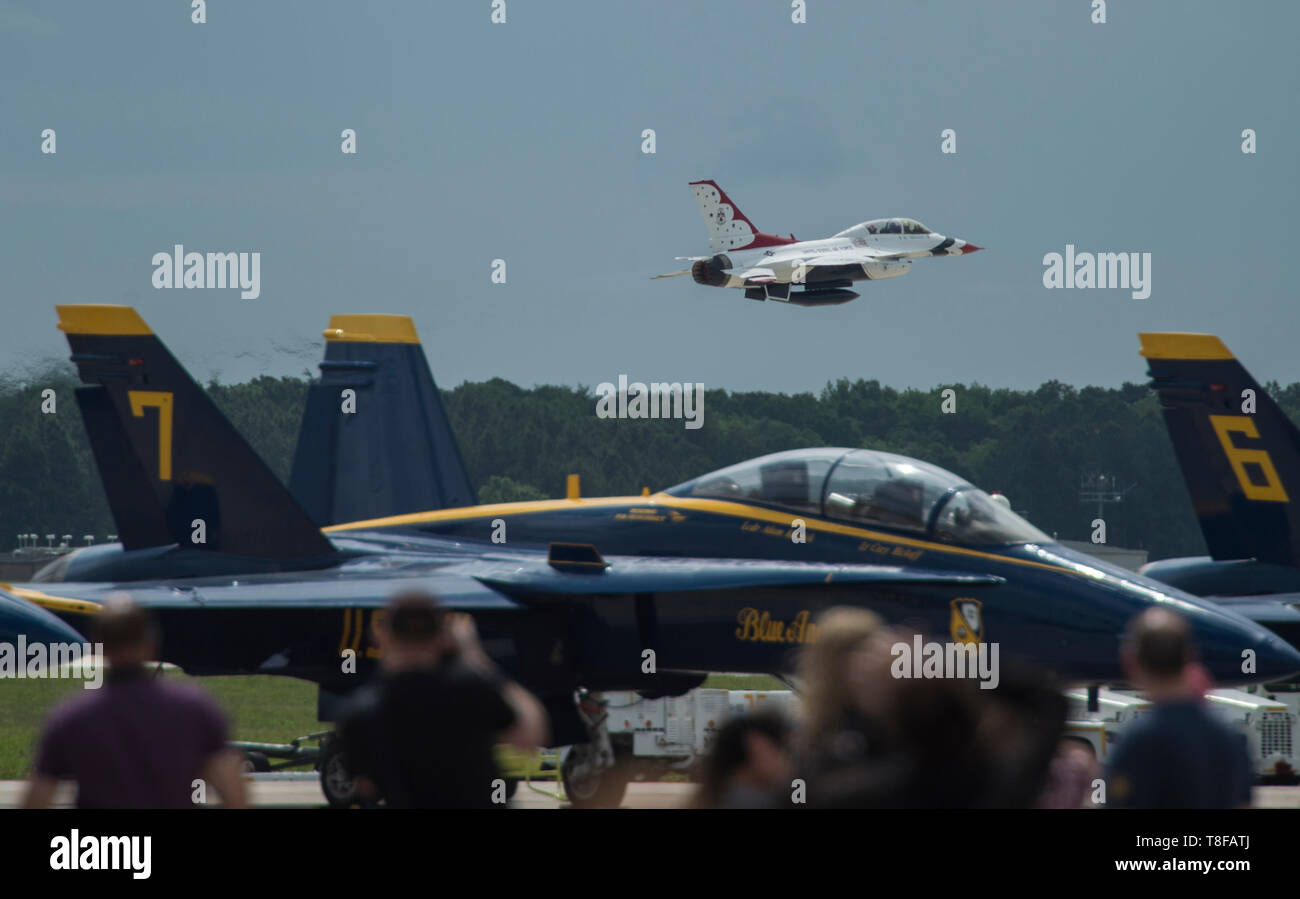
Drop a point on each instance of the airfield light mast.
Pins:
(1101, 489)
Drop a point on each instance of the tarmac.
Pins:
(302, 790)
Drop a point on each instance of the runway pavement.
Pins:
(302, 790)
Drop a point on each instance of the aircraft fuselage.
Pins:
(1032, 599)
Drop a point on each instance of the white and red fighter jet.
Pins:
(768, 267)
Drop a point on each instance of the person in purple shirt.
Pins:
(138, 741)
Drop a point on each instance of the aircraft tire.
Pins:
(255, 762)
(603, 790)
(335, 778)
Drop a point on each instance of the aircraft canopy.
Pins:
(895, 226)
(868, 488)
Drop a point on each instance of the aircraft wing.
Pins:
(484, 584)
(757, 275)
(649, 575)
(279, 591)
(855, 256)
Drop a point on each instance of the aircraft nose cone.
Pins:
(20, 618)
(1236, 650)
(1276, 659)
(970, 248)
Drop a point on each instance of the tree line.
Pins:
(1035, 446)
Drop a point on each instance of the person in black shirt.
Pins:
(423, 735)
(1178, 755)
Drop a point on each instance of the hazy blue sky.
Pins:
(522, 141)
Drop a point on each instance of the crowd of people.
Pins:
(865, 739)
(423, 733)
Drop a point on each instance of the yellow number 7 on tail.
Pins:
(162, 401)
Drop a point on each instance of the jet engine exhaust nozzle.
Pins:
(712, 272)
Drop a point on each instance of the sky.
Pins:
(523, 141)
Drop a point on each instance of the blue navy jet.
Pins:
(1240, 458)
(726, 572)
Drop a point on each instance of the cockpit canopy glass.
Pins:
(895, 226)
(884, 489)
(792, 480)
(869, 489)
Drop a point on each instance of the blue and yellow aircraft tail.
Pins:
(1239, 452)
(375, 440)
(174, 469)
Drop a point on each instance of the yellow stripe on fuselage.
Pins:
(53, 603)
(490, 511)
(666, 500)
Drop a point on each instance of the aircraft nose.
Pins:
(968, 247)
(1237, 650)
(1275, 659)
(20, 618)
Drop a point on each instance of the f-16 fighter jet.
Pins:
(806, 272)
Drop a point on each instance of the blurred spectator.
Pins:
(927, 756)
(1022, 723)
(1070, 779)
(844, 745)
(1179, 755)
(750, 764)
(876, 741)
(424, 734)
(845, 682)
(139, 741)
